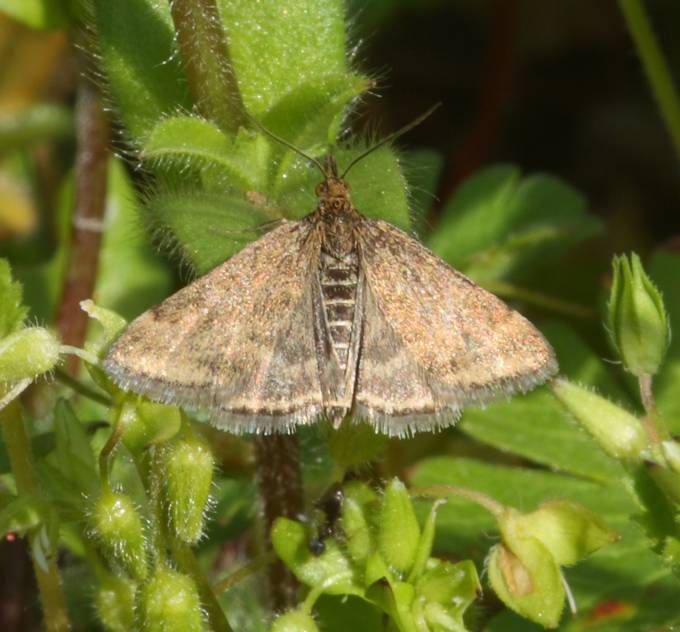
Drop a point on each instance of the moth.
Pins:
(334, 316)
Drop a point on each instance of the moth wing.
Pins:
(238, 342)
(459, 344)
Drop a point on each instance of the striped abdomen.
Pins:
(339, 278)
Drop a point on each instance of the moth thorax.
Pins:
(339, 221)
(339, 278)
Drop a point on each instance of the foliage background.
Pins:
(542, 88)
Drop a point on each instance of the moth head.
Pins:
(333, 187)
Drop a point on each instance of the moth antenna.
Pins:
(288, 144)
(390, 137)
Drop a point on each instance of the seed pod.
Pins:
(117, 527)
(27, 353)
(189, 466)
(115, 603)
(169, 602)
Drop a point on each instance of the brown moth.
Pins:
(332, 316)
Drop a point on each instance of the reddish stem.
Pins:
(90, 201)
(280, 482)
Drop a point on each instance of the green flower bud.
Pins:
(294, 621)
(637, 319)
(398, 533)
(527, 579)
(117, 526)
(568, 530)
(619, 433)
(27, 353)
(448, 589)
(189, 466)
(169, 602)
(358, 506)
(115, 603)
(357, 533)
(148, 423)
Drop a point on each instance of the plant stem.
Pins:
(90, 200)
(82, 388)
(245, 571)
(107, 450)
(280, 482)
(205, 55)
(654, 65)
(188, 564)
(21, 460)
(491, 505)
(508, 290)
(651, 422)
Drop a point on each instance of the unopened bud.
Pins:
(170, 603)
(294, 621)
(27, 353)
(399, 532)
(117, 526)
(637, 317)
(115, 603)
(189, 466)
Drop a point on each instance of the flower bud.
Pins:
(619, 433)
(637, 318)
(117, 526)
(115, 603)
(189, 466)
(294, 621)
(358, 505)
(147, 423)
(399, 533)
(527, 579)
(170, 602)
(27, 353)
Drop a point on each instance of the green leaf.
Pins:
(193, 142)
(74, 454)
(536, 426)
(23, 514)
(497, 222)
(664, 268)
(378, 186)
(143, 72)
(38, 14)
(131, 277)
(339, 614)
(208, 228)
(300, 41)
(13, 312)
(331, 569)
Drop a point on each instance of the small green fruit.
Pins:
(117, 527)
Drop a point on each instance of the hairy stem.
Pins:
(90, 200)
(651, 422)
(81, 388)
(280, 482)
(21, 461)
(654, 65)
(491, 505)
(205, 55)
